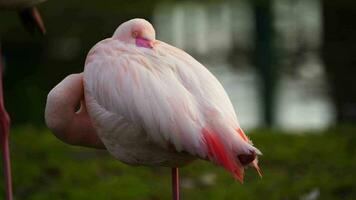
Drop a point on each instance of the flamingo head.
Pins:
(138, 32)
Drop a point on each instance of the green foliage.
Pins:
(293, 166)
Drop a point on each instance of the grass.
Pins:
(295, 166)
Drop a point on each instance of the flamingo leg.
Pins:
(175, 183)
(4, 140)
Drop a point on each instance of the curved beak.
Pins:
(31, 19)
(143, 42)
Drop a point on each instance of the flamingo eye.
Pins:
(134, 34)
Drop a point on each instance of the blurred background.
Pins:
(288, 66)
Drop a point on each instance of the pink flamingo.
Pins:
(31, 19)
(150, 104)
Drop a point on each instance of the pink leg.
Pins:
(4, 140)
(175, 183)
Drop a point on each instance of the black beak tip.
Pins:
(32, 21)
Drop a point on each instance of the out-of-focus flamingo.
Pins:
(31, 18)
(28, 12)
(151, 104)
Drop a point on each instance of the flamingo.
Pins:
(32, 20)
(149, 103)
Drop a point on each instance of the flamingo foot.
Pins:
(175, 183)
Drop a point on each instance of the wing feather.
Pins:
(147, 94)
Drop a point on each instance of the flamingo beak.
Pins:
(143, 42)
(31, 19)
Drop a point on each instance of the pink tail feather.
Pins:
(218, 153)
(242, 134)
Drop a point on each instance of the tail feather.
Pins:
(218, 153)
(249, 159)
(257, 168)
(242, 134)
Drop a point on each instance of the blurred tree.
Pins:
(264, 57)
(339, 54)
